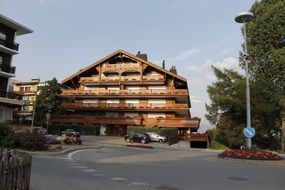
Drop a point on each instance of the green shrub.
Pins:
(217, 135)
(11, 141)
(82, 129)
(5, 130)
(32, 141)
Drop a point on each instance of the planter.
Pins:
(250, 155)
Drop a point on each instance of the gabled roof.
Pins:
(127, 54)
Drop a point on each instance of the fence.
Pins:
(15, 170)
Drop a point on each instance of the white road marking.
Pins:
(71, 154)
(73, 164)
(90, 170)
(137, 183)
(79, 167)
(67, 159)
(118, 179)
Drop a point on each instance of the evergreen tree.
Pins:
(267, 73)
(48, 99)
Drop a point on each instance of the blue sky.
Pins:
(72, 34)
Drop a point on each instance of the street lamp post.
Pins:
(48, 117)
(243, 18)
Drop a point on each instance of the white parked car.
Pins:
(156, 137)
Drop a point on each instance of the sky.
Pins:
(72, 34)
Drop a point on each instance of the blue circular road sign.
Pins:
(249, 132)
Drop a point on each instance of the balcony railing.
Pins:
(24, 92)
(7, 68)
(10, 45)
(11, 95)
(92, 120)
(178, 122)
(122, 79)
(123, 106)
(125, 92)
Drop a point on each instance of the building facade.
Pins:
(27, 91)
(123, 90)
(9, 29)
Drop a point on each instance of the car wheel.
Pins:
(143, 141)
(160, 140)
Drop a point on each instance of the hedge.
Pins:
(82, 129)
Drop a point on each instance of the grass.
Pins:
(218, 146)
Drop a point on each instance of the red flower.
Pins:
(250, 154)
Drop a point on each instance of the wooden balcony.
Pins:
(123, 79)
(22, 92)
(121, 67)
(93, 120)
(89, 79)
(178, 122)
(104, 120)
(122, 106)
(124, 93)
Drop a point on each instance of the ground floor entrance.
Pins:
(116, 130)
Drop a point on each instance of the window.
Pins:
(90, 101)
(155, 115)
(131, 114)
(113, 101)
(3, 35)
(132, 101)
(157, 87)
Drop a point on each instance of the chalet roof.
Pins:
(129, 55)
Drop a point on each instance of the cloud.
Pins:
(184, 55)
(226, 63)
(195, 99)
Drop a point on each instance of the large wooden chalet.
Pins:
(123, 90)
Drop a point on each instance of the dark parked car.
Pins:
(137, 137)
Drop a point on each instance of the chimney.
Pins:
(142, 56)
(163, 64)
(173, 69)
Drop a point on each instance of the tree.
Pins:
(267, 68)
(267, 81)
(48, 99)
(227, 110)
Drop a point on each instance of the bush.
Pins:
(5, 130)
(82, 129)
(11, 141)
(217, 135)
(33, 141)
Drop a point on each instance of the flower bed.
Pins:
(250, 155)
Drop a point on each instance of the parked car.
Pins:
(40, 130)
(70, 133)
(156, 137)
(137, 137)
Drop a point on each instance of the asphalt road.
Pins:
(160, 169)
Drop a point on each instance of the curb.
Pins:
(139, 146)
